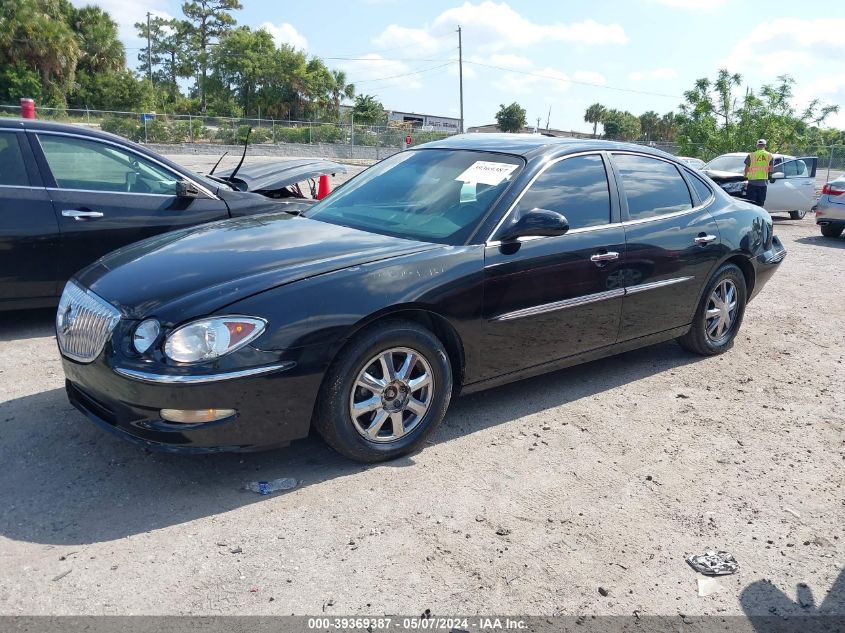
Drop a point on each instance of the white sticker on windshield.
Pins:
(486, 172)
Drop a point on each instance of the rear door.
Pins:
(106, 196)
(796, 191)
(29, 232)
(672, 240)
(547, 298)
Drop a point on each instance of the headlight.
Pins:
(733, 187)
(145, 335)
(210, 338)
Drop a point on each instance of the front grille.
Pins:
(84, 323)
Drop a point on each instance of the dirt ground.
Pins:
(529, 499)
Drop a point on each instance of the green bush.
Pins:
(327, 134)
(127, 127)
(187, 131)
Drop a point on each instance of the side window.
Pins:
(652, 187)
(576, 187)
(795, 169)
(704, 192)
(12, 168)
(82, 164)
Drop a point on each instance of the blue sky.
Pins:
(637, 55)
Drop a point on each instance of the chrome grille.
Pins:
(84, 323)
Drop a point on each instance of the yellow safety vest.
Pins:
(758, 165)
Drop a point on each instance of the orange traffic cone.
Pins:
(324, 187)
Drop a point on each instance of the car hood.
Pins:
(196, 271)
(278, 174)
(723, 176)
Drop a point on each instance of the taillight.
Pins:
(832, 190)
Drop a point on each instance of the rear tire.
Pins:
(370, 412)
(719, 314)
(831, 230)
(797, 215)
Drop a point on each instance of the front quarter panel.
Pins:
(324, 311)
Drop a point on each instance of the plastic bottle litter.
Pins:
(274, 485)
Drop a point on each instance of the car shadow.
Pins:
(66, 482)
(20, 324)
(821, 240)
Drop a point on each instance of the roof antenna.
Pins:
(246, 144)
(211, 173)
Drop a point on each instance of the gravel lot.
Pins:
(530, 498)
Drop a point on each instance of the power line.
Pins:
(573, 81)
(417, 72)
(382, 59)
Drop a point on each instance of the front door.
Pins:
(796, 191)
(552, 297)
(672, 240)
(106, 196)
(29, 232)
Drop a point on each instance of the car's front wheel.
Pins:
(385, 393)
(719, 313)
(797, 215)
(831, 230)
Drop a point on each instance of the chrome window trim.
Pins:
(598, 152)
(531, 238)
(197, 379)
(23, 187)
(95, 139)
(587, 299)
(111, 193)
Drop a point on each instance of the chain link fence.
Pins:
(149, 127)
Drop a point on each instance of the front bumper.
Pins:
(272, 408)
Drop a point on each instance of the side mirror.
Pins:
(184, 189)
(536, 223)
(778, 175)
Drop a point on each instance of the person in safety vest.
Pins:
(758, 166)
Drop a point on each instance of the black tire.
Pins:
(332, 417)
(797, 215)
(697, 339)
(831, 230)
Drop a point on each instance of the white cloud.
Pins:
(509, 61)
(285, 33)
(494, 26)
(541, 80)
(700, 5)
(590, 77)
(655, 73)
(787, 45)
(389, 73)
(126, 13)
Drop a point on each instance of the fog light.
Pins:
(196, 416)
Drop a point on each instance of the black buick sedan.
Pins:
(454, 267)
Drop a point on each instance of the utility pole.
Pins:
(461, 78)
(149, 51)
(548, 118)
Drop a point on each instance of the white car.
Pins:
(792, 183)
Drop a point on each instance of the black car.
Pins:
(456, 266)
(69, 194)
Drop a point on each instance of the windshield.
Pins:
(735, 164)
(432, 195)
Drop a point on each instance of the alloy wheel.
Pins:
(720, 314)
(391, 394)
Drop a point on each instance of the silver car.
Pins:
(830, 210)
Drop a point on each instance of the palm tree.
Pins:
(339, 90)
(595, 114)
(101, 48)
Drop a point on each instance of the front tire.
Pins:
(831, 230)
(797, 215)
(386, 393)
(719, 314)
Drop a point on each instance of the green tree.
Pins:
(243, 63)
(206, 21)
(621, 125)
(650, 125)
(339, 89)
(169, 52)
(369, 110)
(595, 115)
(100, 47)
(511, 118)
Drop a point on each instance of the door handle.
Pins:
(79, 215)
(705, 239)
(604, 257)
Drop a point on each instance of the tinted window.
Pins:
(81, 164)
(12, 169)
(576, 187)
(652, 187)
(795, 169)
(701, 189)
(433, 195)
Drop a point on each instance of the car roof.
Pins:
(52, 126)
(775, 154)
(531, 145)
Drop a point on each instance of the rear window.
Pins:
(12, 169)
(701, 189)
